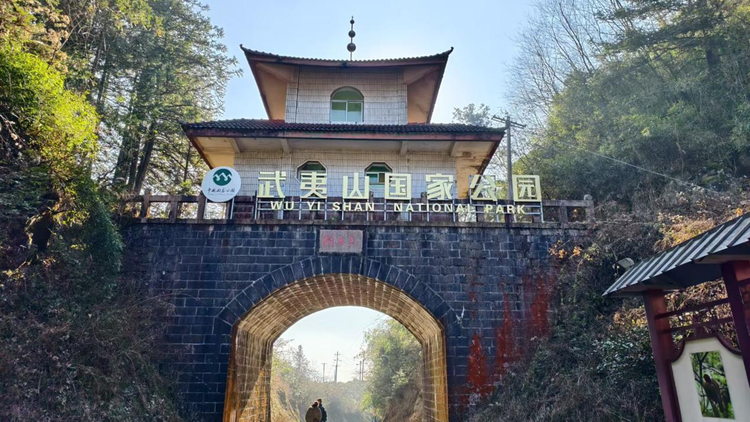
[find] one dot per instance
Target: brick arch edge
(260, 289)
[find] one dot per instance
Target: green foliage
(147, 65)
(59, 124)
(670, 96)
(295, 384)
(37, 26)
(394, 356)
(596, 364)
(77, 342)
(98, 236)
(711, 383)
(661, 88)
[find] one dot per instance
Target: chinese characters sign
(485, 192)
(398, 186)
(526, 188)
(221, 184)
(340, 241)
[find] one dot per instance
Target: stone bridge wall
(486, 284)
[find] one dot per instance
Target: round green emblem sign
(222, 177)
(221, 184)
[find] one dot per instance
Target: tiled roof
(257, 53)
(251, 125)
(678, 267)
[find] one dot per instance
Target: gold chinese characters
(398, 186)
(526, 188)
(269, 184)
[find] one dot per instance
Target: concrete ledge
(391, 223)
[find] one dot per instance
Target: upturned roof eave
(355, 133)
(261, 56)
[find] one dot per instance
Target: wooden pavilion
(722, 252)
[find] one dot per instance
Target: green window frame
(347, 106)
(316, 166)
(376, 173)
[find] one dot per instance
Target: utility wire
(634, 166)
(536, 132)
(362, 340)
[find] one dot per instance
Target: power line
(633, 166)
(375, 321)
(511, 124)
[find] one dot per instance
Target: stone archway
(255, 331)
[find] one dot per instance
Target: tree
(394, 358)
(147, 65)
(481, 116)
(67, 318)
(665, 95)
(473, 115)
(297, 373)
(562, 38)
(295, 384)
(300, 377)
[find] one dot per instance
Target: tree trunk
(102, 87)
(121, 166)
(100, 49)
(135, 152)
(148, 149)
(125, 154)
(187, 163)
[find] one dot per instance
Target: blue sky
(480, 31)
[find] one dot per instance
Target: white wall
(687, 390)
(339, 164)
(309, 96)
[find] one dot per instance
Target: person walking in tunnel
(313, 413)
(324, 415)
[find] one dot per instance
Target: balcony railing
(196, 209)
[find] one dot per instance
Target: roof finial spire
(351, 47)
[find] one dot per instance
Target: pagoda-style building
(341, 117)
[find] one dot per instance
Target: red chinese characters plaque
(340, 241)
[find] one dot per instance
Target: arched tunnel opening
(248, 395)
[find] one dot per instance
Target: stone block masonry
(485, 287)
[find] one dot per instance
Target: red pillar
(735, 272)
(664, 351)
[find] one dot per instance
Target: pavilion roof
(422, 76)
(219, 141)
(246, 126)
(403, 61)
(692, 262)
